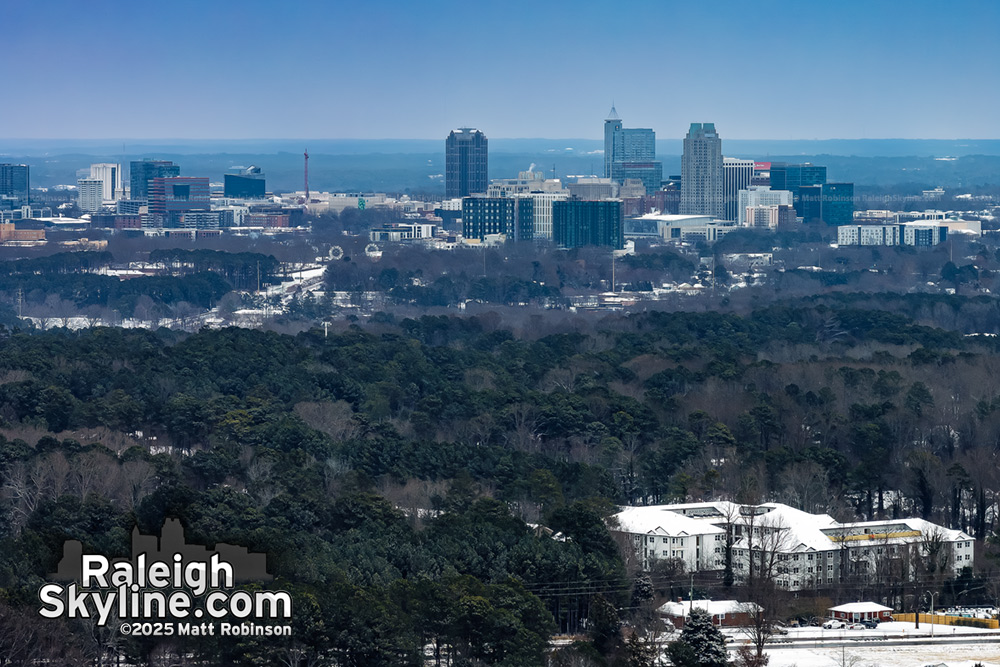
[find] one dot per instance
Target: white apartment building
(111, 175)
(868, 235)
(802, 550)
(543, 211)
(90, 194)
(659, 533)
(761, 195)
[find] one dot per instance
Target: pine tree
(701, 644)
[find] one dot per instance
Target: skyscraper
(630, 153)
(111, 176)
(736, 176)
(143, 171)
(14, 182)
(466, 162)
(701, 172)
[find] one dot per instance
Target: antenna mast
(307, 175)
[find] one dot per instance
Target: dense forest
(441, 483)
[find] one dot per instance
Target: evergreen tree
(700, 645)
(603, 625)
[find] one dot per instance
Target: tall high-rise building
(701, 172)
(612, 126)
(90, 194)
(466, 163)
(143, 171)
(630, 153)
(736, 175)
(14, 182)
(111, 175)
(577, 223)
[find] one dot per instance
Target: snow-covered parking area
(886, 646)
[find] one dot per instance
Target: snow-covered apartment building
(800, 550)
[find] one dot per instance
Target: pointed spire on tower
(613, 115)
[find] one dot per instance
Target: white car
(834, 624)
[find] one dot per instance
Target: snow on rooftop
(860, 608)
(661, 520)
(713, 607)
(914, 524)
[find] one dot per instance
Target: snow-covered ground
(965, 655)
(894, 630)
(953, 646)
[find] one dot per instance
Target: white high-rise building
(736, 176)
(90, 191)
(543, 211)
(701, 172)
(760, 195)
(111, 174)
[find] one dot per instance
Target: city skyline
(844, 71)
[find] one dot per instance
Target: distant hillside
(416, 166)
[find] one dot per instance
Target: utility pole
(612, 270)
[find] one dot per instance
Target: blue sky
(387, 69)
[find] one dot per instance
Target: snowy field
(964, 655)
(948, 647)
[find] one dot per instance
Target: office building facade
(466, 162)
(577, 223)
(701, 172)
(513, 217)
(794, 177)
(14, 182)
(831, 203)
(170, 198)
(245, 183)
(736, 175)
(143, 171)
